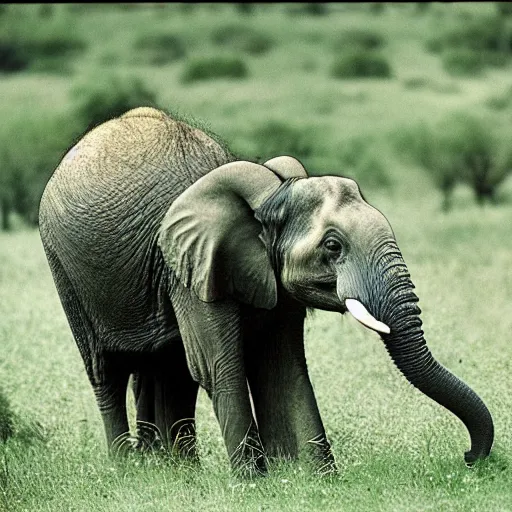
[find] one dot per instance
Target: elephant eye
(333, 245)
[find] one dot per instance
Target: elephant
(183, 266)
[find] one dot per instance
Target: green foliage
(309, 8)
(6, 418)
(12, 56)
(504, 8)
(461, 148)
(32, 145)
(245, 8)
(357, 63)
(27, 43)
(31, 148)
(473, 43)
(242, 38)
(107, 96)
(208, 68)
(463, 61)
(158, 49)
(275, 138)
(376, 8)
(362, 38)
(358, 159)
(500, 101)
(487, 33)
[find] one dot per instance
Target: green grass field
(396, 450)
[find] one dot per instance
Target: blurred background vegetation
(413, 100)
(404, 97)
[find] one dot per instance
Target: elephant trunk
(407, 347)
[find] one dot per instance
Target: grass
(396, 450)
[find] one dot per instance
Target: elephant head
(257, 232)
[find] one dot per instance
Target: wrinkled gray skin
(180, 266)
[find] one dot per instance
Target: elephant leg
(109, 387)
(286, 409)
(165, 396)
(175, 402)
(148, 437)
(110, 390)
(213, 346)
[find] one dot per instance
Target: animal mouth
(327, 284)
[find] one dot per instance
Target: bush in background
(463, 61)
(31, 147)
(489, 33)
(12, 56)
(28, 43)
(275, 138)
(364, 39)
(207, 68)
(159, 49)
(6, 419)
(461, 149)
(105, 97)
(33, 52)
(504, 8)
(308, 8)
(358, 63)
(476, 42)
(240, 38)
(358, 159)
(500, 101)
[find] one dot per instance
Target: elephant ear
(210, 238)
(286, 167)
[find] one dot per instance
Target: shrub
(361, 64)
(104, 98)
(245, 8)
(489, 36)
(53, 44)
(422, 7)
(207, 68)
(159, 49)
(461, 149)
(376, 8)
(31, 148)
(462, 61)
(482, 33)
(23, 47)
(279, 138)
(358, 160)
(364, 39)
(500, 101)
(242, 38)
(482, 156)
(12, 56)
(6, 419)
(309, 9)
(504, 8)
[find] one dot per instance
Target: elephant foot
(320, 456)
(123, 445)
(249, 460)
(183, 433)
(149, 438)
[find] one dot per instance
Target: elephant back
(101, 210)
(143, 156)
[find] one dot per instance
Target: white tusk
(360, 313)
